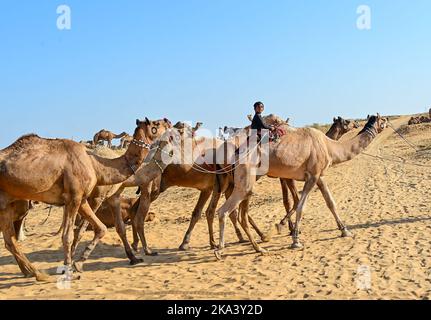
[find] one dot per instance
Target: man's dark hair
(258, 104)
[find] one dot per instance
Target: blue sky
(207, 60)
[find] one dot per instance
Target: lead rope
(223, 171)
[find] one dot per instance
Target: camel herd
(420, 119)
(65, 173)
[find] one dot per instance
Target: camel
(154, 130)
(105, 135)
(129, 207)
(125, 141)
(184, 128)
(190, 176)
(302, 154)
(339, 128)
(61, 172)
(419, 120)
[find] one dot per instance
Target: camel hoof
(218, 254)
(42, 277)
(136, 261)
(296, 246)
(279, 227)
(266, 238)
(184, 247)
(346, 234)
(79, 266)
(264, 252)
(151, 253)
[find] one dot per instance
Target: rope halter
(141, 144)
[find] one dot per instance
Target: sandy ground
(386, 205)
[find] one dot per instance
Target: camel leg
(95, 204)
(139, 219)
(20, 230)
(234, 215)
(197, 212)
(120, 227)
(99, 232)
(263, 237)
(210, 213)
(244, 208)
(244, 181)
(135, 242)
(11, 244)
(330, 202)
(308, 187)
(286, 185)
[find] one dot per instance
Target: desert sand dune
(387, 205)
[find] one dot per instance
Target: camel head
(150, 131)
(342, 125)
(197, 126)
(167, 149)
(185, 129)
(377, 122)
(275, 120)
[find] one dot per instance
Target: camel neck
(344, 151)
(333, 133)
(113, 171)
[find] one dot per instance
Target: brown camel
(152, 132)
(182, 175)
(129, 207)
(61, 172)
(304, 155)
(191, 176)
(108, 136)
(339, 128)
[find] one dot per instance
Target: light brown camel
(339, 128)
(153, 130)
(61, 172)
(108, 136)
(304, 155)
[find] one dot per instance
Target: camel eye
(154, 130)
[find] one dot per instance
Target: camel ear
(368, 117)
(138, 122)
(287, 120)
(147, 121)
(335, 120)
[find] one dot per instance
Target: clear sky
(207, 60)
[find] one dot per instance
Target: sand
(385, 204)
